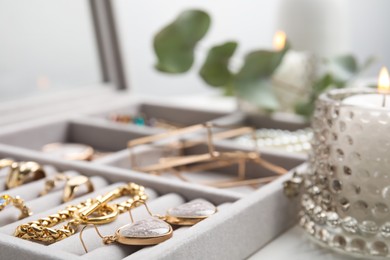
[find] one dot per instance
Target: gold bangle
(23, 172)
(18, 203)
(41, 229)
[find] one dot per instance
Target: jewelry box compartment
(102, 138)
(155, 116)
(223, 178)
(277, 124)
(255, 220)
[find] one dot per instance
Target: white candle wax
(368, 100)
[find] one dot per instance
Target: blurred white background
(50, 44)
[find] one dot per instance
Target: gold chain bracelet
(100, 212)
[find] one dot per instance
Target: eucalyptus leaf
(215, 70)
(367, 63)
(322, 84)
(258, 92)
(253, 81)
(260, 63)
(344, 67)
(305, 109)
(174, 45)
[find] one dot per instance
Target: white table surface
(294, 244)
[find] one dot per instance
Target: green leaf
(367, 63)
(215, 70)
(305, 108)
(252, 82)
(174, 45)
(344, 67)
(322, 84)
(260, 64)
(258, 92)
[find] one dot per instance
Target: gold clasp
(108, 213)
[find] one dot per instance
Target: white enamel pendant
(190, 213)
(150, 231)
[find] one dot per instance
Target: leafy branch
(175, 46)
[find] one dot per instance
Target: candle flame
(383, 80)
(279, 40)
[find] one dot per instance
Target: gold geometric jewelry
(92, 211)
(69, 151)
(190, 213)
(72, 184)
(212, 159)
(149, 231)
(17, 202)
(23, 172)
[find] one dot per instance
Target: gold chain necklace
(91, 211)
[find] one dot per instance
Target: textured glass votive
(346, 198)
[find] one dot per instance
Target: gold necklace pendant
(149, 231)
(145, 232)
(190, 213)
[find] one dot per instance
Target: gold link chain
(42, 229)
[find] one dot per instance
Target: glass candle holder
(346, 194)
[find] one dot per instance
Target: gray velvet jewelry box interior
(176, 115)
(148, 155)
(113, 138)
(102, 137)
(260, 121)
(253, 220)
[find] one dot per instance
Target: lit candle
(376, 100)
(294, 76)
(279, 40)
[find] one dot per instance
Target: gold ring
(5, 163)
(51, 183)
(69, 151)
(73, 184)
(23, 172)
(17, 202)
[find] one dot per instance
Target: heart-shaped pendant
(148, 231)
(190, 213)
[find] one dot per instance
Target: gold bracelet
(41, 229)
(18, 203)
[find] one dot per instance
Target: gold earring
(18, 203)
(190, 213)
(149, 231)
(22, 172)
